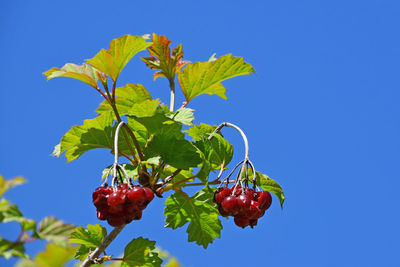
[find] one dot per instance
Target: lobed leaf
(91, 237)
(161, 58)
(11, 213)
(141, 252)
(206, 77)
(52, 256)
(10, 249)
(126, 97)
(199, 210)
(114, 59)
(94, 133)
(54, 230)
(84, 73)
(270, 185)
(178, 153)
(5, 185)
(183, 115)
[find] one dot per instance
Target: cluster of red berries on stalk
(122, 204)
(244, 204)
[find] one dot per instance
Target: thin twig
(96, 253)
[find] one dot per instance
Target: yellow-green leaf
(54, 230)
(10, 183)
(206, 77)
(84, 73)
(52, 256)
(114, 59)
(126, 97)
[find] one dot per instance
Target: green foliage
(91, 237)
(199, 210)
(84, 73)
(5, 185)
(156, 139)
(10, 249)
(141, 252)
(206, 77)
(52, 256)
(126, 97)
(114, 59)
(54, 230)
(161, 58)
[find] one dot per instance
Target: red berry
(137, 215)
(136, 195)
(100, 202)
(115, 209)
(116, 220)
(149, 194)
(265, 199)
(229, 205)
(131, 207)
(116, 198)
(243, 203)
(220, 194)
(241, 221)
(236, 191)
(222, 211)
(250, 193)
(254, 210)
(253, 222)
(102, 215)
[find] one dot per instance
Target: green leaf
(206, 77)
(161, 58)
(5, 185)
(217, 151)
(199, 209)
(200, 132)
(82, 253)
(178, 153)
(54, 230)
(90, 237)
(114, 59)
(146, 108)
(52, 256)
(270, 185)
(126, 97)
(141, 252)
(84, 73)
(94, 133)
(10, 249)
(10, 213)
(183, 115)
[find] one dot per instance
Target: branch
(172, 102)
(96, 253)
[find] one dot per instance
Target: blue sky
(321, 115)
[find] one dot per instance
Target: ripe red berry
(116, 220)
(115, 209)
(236, 191)
(116, 198)
(149, 194)
(253, 222)
(222, 211)
(241, 221)
(220, 194)
(254, 210)
(229, 205)
(265, 199)
(136, 195)
(100, 202)
(250, 193)
(102, 215)
(243, 202)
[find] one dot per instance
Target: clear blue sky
(322, 117)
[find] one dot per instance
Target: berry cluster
(244, 204)
(122, 205)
